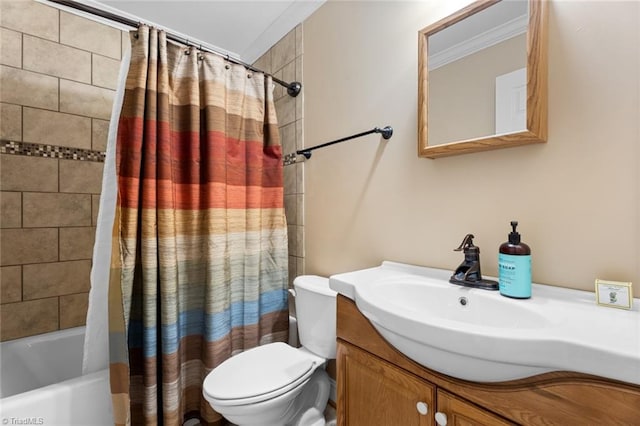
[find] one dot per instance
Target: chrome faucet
(468, 273)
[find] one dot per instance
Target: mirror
(482, 81)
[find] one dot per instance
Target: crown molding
(478, 42)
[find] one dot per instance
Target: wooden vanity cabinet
(459, 412)
(377, 393)
(378, 386)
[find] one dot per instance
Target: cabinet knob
(441, 419)
(422, 408)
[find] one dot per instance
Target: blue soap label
(514, 275)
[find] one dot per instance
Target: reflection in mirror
(483, 78)
(465, 62)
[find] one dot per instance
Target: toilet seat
(259, 374)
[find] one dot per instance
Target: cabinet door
(372, 392)
(454, 411)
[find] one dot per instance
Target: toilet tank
(316, 314)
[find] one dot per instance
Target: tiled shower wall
(57, 82)
(284, 61)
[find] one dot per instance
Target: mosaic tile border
(50, 151)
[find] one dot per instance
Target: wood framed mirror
(482, 78)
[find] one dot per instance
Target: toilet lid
(258, 371)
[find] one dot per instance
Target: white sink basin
(481, 336)
(439, 301)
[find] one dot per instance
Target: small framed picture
(615, 294)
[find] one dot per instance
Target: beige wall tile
(299, 38)
(299, 241)
(84, 99)
(290, 209)
(28, 318)
(10, 284)
(56, 128)
(299, 134)
(105, 72)
(44, 209)
(73, 310)
(10, 122)
(300, 265)
(288, 138)
(288, 75)
(80, 176)
(278, 90)
(55, 59)
(299, 178)
(10, 48)
(292, 240)
(299, 209)
(299, 106)
(28, 88)
(55, 279)
(22, 173)
(76, 243)
(286, 110)
(95, 205)
(30, 17)
(20, 246)
(300, 98)
(264, 62)
(290, 179)
(10, 209)
(292, 271)
(299, 71)
(89, 35)
(99, 134)
(284, 51)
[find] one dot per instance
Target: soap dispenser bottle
(514, 267)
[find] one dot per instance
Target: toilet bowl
(277, 384)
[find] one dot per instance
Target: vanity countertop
(573, 334)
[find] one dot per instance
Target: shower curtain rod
(293, 88)
(386, 131)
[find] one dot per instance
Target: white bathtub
(41, 382)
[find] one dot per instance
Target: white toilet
(277, 384)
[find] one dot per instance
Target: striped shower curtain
(199, 257)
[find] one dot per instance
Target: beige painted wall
(577, 197)
(462, 94)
